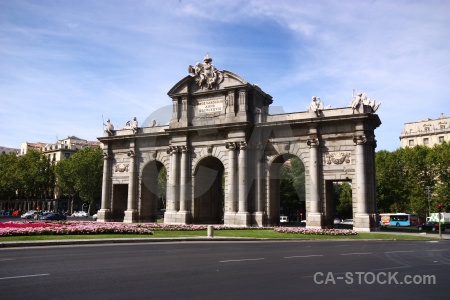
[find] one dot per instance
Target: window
(67, 155)
(441, 139)
(442, 126)
(427, 128)
(426, 141)
(411, 143)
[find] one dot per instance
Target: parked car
(29, 214)
(53, 216)
(430, 226)
(80, 214)
(337, 221)
(347, 222)
(94, 216)
(17, 213)
(283, 219)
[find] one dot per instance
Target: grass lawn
(248, 233)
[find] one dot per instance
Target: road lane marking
(302, 256)
(24, 276)
(437, 250)
(399, 252)
(234, 260)
(5, 259)
(361, 253)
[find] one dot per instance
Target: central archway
(208, 192)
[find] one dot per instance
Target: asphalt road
(229, 270)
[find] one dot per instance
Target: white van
(283, 219)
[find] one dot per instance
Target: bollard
(210, 231)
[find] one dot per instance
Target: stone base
(184, 217)
(177, 217)
(131, 216)
(314, 220)
(365, 222)
(104, 215)
(229, 218)
(259, 219)
(242, 219)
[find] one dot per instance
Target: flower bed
(315, 231)
(77, 227)
(66, 228)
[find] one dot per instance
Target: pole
(440, 229)
(428, 193)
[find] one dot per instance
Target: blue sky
(65, 64)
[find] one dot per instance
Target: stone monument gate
(221, 129)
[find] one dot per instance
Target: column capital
(312, 142)
(105, 155)
(359, 139)
(130, 153)
(173, 149)
(184, 149)
(231, 145)
(243, 145)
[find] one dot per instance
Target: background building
(426, 132)
(8, 150)
(62, 149)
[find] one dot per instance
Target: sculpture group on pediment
(206, 75)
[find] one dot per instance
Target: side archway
(151, 192)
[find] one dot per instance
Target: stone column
(104, 214)
(314, 217)
(244, 216)
(231, 195)
(259, 215)
(131, 212)
(184, 186)
(361, 220)
(360, 140)
(183, 177)
(173, 178)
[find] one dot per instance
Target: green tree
(292, 187)
(34, 175)
(391, 182)
(87, 171)
(65, 179)
(344, 208)
(419, 172)
(162, 187)
(8, 164)
(439, 159)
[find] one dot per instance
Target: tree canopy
(405, 175)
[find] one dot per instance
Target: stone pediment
(208, 96)
(189, 85)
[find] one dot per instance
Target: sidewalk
(25, 244)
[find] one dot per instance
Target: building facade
(426, 132)
(223, 152)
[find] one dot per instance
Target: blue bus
(399, 219)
